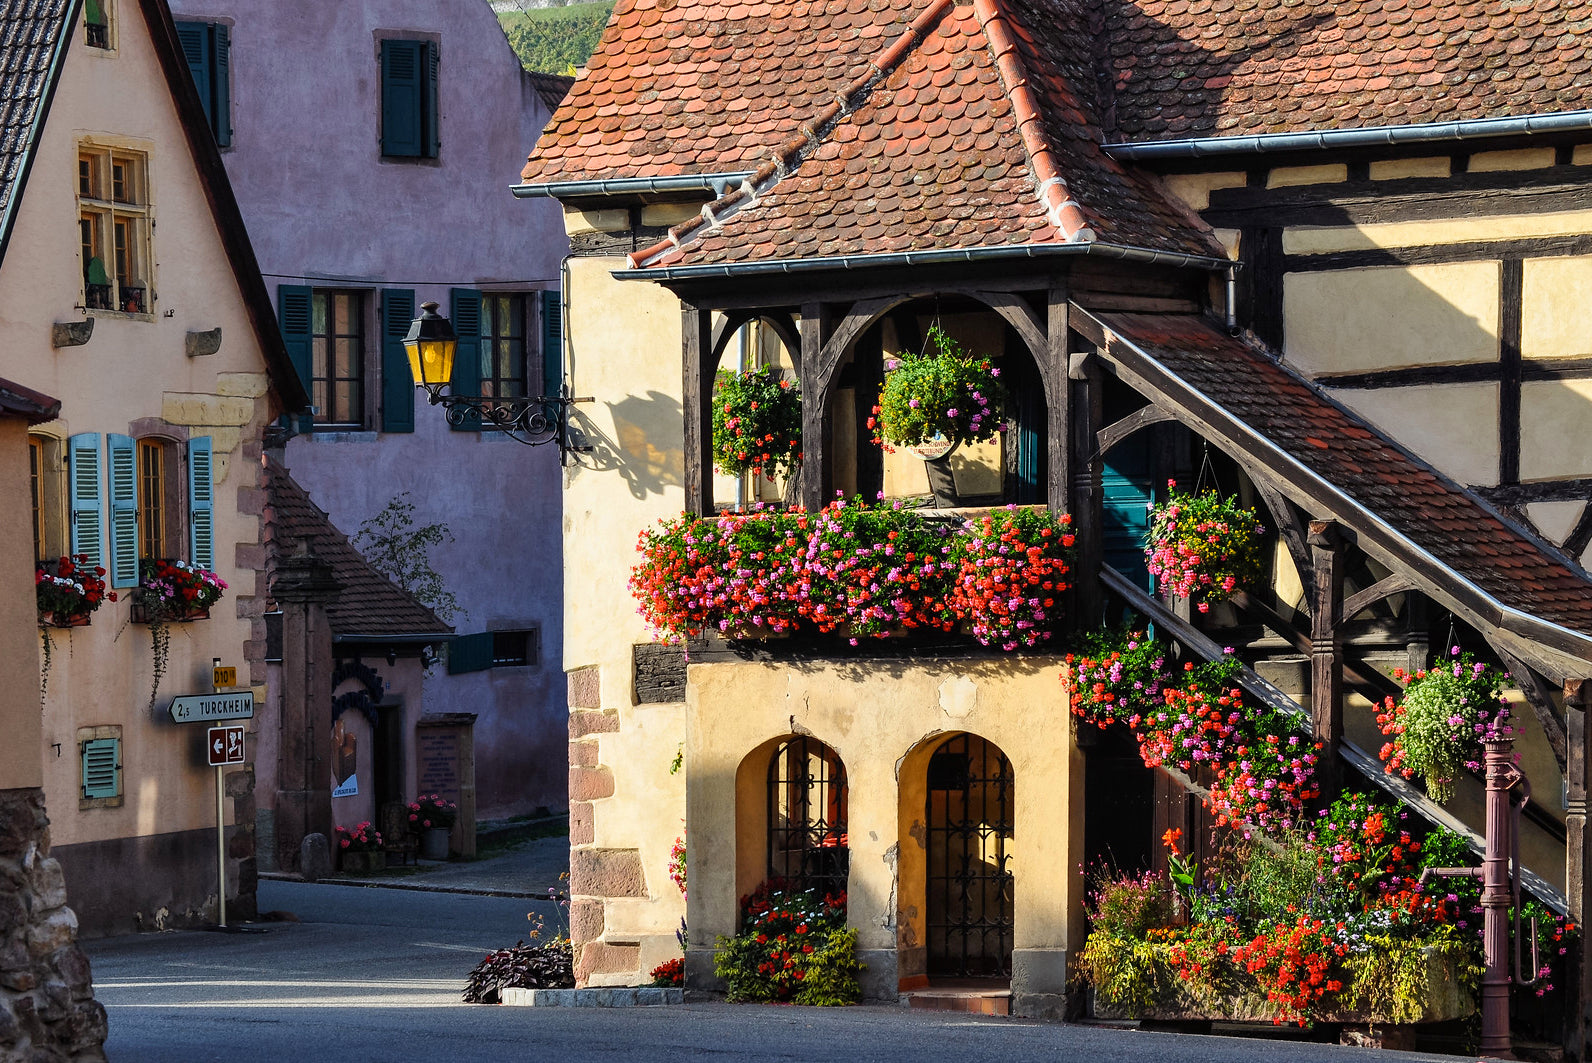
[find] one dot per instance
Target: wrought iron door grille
(807, 840)
(969, 873)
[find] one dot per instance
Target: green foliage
(555, 40)
(757, 423)
(793, 947)
(401, 550)
(1128, 906)
(1128, 972)
(946, 391)
(1391, 978)
(1276, 877)
(1439, 724)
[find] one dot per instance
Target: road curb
(413, 887)
(609, 997)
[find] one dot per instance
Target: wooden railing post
(1326, 647)
(1578, 860)
(697, 399)
(1087, 412)
(816, 476)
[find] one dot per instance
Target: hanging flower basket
(757, 423)
(1203, 546)
(938, 397)
(1437, 728)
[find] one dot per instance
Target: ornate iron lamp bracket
(532, 421)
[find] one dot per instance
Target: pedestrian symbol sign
(224, 745)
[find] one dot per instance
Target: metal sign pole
(221, 822)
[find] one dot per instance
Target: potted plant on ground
(432, 816)
(359, 849)
(1203, 546)
(757, 423)
(66, 597)
(171, 592)
(1440, 723)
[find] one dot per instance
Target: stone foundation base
(47, 1005)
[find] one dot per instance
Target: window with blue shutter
(294, 317)
(201, 503)
(470, 653)
(85, 457)
(397, 383)
(122, 465)
(409, 99)
(552, 345)
(465, 310)
(206, 47)
(102, 768)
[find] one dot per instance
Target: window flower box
(143, 614)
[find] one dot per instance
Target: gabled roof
(34, 38)
(34, 406)
(1432, 525)
(965, 130)
(550, 88)
(370, 606)
(1181, 69)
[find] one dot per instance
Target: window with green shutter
(122, 479)
(201, 503)
(552, 345)
(397, 383)
(470, 653)
(206, 47)
(102, 768)
(85, 456)
(465, 310)
(293, 317)
(409, 99)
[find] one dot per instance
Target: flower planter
(48, 619)
(171, 616)
(434, 842)
(362, 861)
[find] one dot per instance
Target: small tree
(397, 547)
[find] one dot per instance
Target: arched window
(808, 845)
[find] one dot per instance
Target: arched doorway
(808, 845)
(969, 878)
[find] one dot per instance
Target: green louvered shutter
(403, 80)
(295, 305)
(196, 38)
(102, 767)
(430, 107)
(221, 84)
(88, 509)
(122, 461)
(397, 382)
(552, 345)
(470, 653)
(201, 503)
(465, 310)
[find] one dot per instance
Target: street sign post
(207, 708)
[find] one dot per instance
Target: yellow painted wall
(1307, 240)
(1554, 441)
(1452, 426)
(1555, 294)
(134, 368)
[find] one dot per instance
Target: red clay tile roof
(35, 406)
(974, 138)
(370, 603)
(1199, 68)
(1436, 514)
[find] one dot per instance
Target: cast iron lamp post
(431, 345)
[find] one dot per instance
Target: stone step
(991, 1001)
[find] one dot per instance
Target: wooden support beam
(816, 475)
(1366, 680)
(1086, 408)
(1058, 404)
(1578, 859)
(697, 361)
(1536, 691)
(869, 363)
(1289, 527)
(1116, 432)
(726, 329)
(1580, 536)
(1356, 603)
(1326, 645)
(1019, 315)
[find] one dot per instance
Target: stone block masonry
(47, 1005)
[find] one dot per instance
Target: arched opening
(968, 875)
(808, 844)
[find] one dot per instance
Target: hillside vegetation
(555, 39)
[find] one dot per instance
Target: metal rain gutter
(936, 256)
(396, 640)
(1373, 136)
(717, 183)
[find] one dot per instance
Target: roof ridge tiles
(785, 159)
(1060, 208)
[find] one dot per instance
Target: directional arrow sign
(224, 745)
(200, 708)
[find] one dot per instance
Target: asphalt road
(375, 975)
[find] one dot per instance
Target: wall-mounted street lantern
(431, 345)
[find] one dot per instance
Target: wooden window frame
(101, 38)
(160, 515)
(114, 205)
(501, 314)
(46, 470)
(328, 416)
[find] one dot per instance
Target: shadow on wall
(641, 423)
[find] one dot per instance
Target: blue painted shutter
(201, 503)
(88, 511)
(430, 108)
(102, 765)
(470, 653)
(295, 315)
(403, 81)
(397, 382)
(1126, 497)
(465, 310)
(552, 345)
(195, 38)
(122, 462)
(221, 84)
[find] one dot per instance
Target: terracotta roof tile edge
(1062, 210)
(785, 159)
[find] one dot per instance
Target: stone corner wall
(47, 1005)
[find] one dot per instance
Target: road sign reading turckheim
(225, 745)
(199, 708)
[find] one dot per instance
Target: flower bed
(856, 570)
(793, 947)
